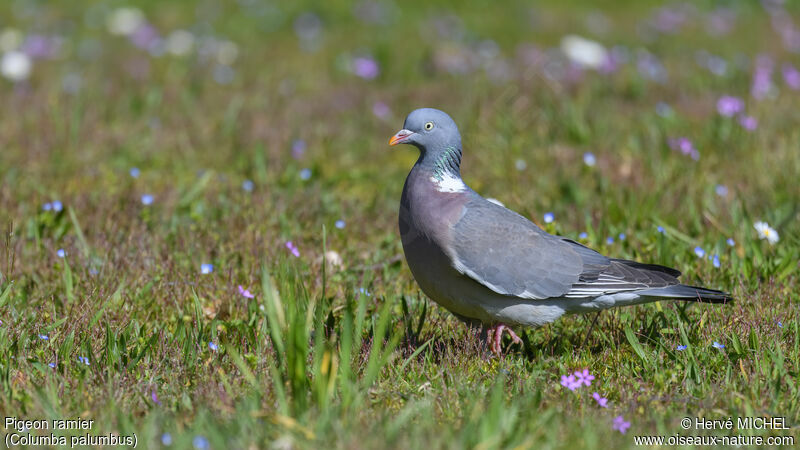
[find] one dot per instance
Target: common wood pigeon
(489, 265)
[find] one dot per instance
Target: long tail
(689, 294)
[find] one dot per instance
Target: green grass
(352, 354)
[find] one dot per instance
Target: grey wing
(602, 275)
(512, 256)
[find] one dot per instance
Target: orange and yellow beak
(400, 136)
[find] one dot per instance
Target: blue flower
(83, 359)
(731, 242)
(589, 159)
(609, 240)
(248, 185)
(780, 324)
(364, 291)
(147, 199)
(55, 205)
(715, 261)
(718, 345)
(213, 346)
(166, 439)
(200, 442)
(660, 229)
(583, 235)
(721, 190)
(206, 268)
(622, 236)
(61, 253)
(52, 365)
(135, 172)
(305, 174)
(549, 217)
(681, 348)
(44, 337)
(340, 224)
(699, 252)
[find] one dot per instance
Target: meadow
(199, 219)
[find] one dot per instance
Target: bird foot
(495, 335)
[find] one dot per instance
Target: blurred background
(568, 107)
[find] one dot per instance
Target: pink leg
(495, 335)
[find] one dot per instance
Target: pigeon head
(430, 130)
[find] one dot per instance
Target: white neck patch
(449, 183)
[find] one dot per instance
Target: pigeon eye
(429, 126)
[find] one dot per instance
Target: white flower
(180, 42)
(16, 66)
(124, 21)
(584, 52)
(227, 52)
(766, 232)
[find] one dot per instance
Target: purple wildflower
(791, 77)
(685, 146)
(38, 46)
(298, 148)
(762, 78)
(601, 401)
(213, 346)
(584, 377)
(144, 37)
(570, 382)
(620, 424)
(365, 67)
(749, 123)
(292, 248)
(245, 293)
(729, 106)
(154, 397)
(381, 110)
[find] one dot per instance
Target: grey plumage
(488, 264)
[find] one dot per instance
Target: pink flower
(620, 424)
(292, 248)
(602, 401)
(245, 293)
(584, 377)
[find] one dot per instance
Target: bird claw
(495, 335)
